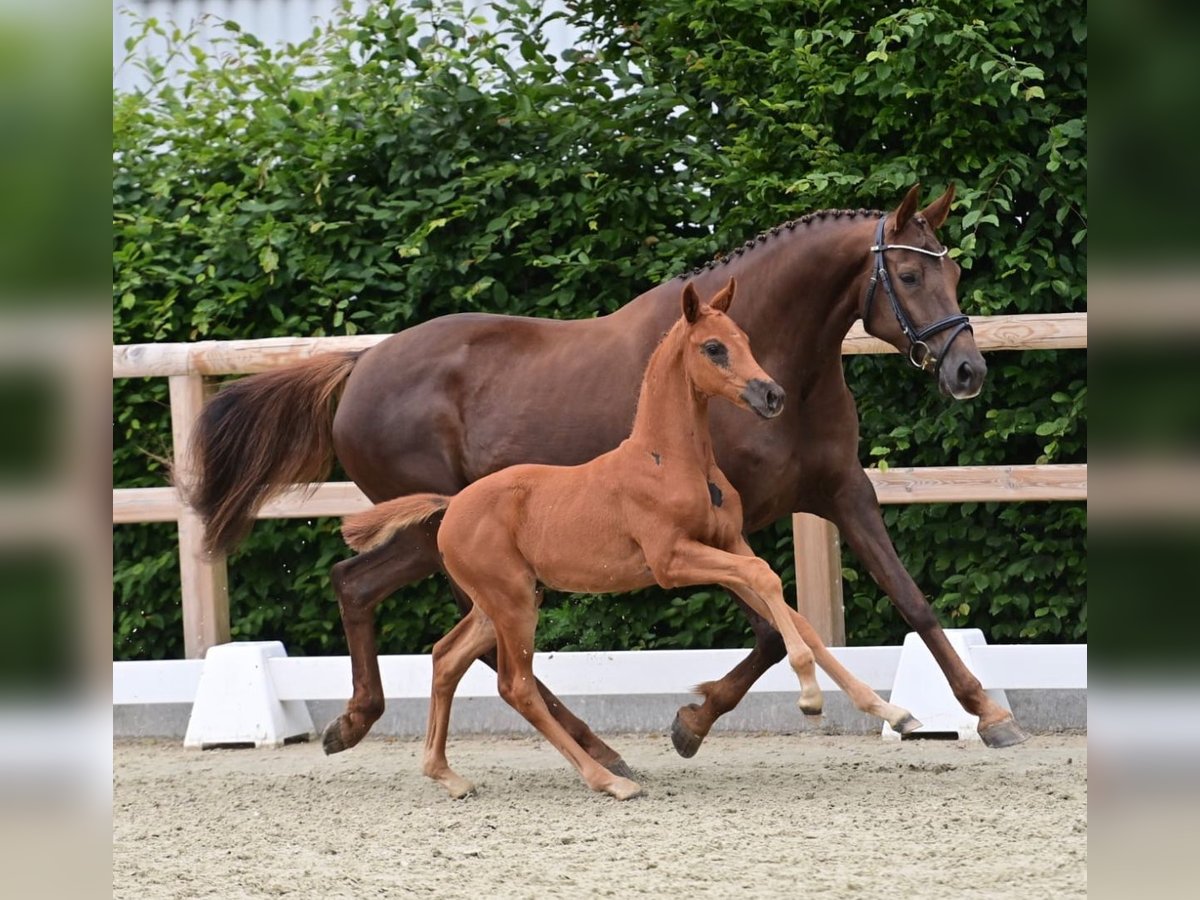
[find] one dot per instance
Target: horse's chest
(711, 511)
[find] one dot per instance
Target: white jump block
(922, 689)
(236, 701)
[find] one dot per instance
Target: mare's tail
(367, 530)
(258, 436)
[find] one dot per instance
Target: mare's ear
(691, 303)
(908, 206)
(724, 296)
(935, 213)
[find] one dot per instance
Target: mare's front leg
(855, 511)
(694, 720)
(576, 727)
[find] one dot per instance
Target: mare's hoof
(1005, 733)
(686, 741)
(623, 789)
(332, 739)
(907, 725)
(620, 768)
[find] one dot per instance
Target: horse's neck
(799, 292)
(672, 419)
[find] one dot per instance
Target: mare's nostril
(965, 373)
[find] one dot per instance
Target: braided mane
(764, 236)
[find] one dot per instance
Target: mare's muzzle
(764, 397)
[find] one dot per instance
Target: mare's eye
(908, 278)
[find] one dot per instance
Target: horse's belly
(584, 554)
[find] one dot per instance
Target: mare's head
(717, 357)
(912, 298)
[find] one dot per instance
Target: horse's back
(441, 404)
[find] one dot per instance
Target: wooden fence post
(204, 582)
(819, 577)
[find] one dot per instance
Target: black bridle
(919, 353)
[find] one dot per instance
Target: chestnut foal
(654, 510)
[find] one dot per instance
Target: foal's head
(717, 357)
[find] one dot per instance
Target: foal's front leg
(859, 692)
(690, 563)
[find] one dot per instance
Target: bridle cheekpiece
(919, 353)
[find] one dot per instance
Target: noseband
(919, 353)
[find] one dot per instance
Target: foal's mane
(763, 236)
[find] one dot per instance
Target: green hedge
(373, 177)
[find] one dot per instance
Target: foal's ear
(935, 213)
(691, 303)
(724, 296)
(908, 206)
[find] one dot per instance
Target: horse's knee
(763, 580)
(769, 640)
(518, 691)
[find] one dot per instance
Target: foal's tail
(367, 530)
(259, 435)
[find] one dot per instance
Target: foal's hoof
(333, 740)
(810, 707)
(686, 741)
(1005, 733)
(623, 789)
(620, 768)
(906, 725)
(458, 787)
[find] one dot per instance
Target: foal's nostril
(774, 399)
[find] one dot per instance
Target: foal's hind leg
(452, 656)
(576, 727)
(360, 584)
(515, 620)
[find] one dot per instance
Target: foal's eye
(908, 277)
(713, 349)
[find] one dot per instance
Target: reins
(919, 353)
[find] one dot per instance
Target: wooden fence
(204, 584)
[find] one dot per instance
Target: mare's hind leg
(576, 727)
(452, 656)
(360, 584)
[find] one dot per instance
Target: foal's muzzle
(764, 397)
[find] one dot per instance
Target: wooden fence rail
(203, 582)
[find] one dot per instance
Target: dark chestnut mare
(656, 510)
(440, 405)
